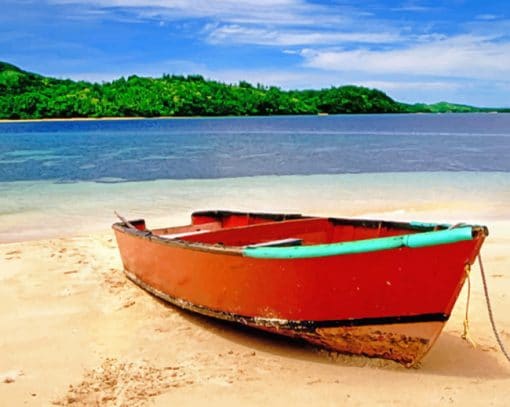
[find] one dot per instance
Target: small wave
(110, 180)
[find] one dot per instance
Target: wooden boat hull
(403, 342)
(391, 304)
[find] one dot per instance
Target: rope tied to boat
(489, 309)
(466, 335)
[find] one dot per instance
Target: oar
(124, 220)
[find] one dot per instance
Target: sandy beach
(77, 332)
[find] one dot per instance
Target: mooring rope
(466, 335)
(489, 309)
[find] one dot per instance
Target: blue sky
(454, 50)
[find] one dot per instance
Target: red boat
(376, 288)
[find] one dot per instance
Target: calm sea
(135, 150)
(66, 178)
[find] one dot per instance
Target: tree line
(26, 95)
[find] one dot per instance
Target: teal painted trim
(362, 246)
(439, 237)
(428, 225)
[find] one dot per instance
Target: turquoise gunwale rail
(415, 240)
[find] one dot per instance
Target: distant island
(26, 95)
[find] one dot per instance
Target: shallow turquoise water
(35, 209)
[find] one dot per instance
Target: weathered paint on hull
(405, 343)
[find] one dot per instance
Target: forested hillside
(25, 95)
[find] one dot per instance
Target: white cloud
(414, 7)
(277, 12)
(487, 17)
(461, 56)
(261, 22)
(276, 37)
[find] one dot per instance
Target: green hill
(4, 66)
(25, 95)
(443, 107)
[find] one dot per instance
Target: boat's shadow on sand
(450, 355)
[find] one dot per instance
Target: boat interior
(249, 229)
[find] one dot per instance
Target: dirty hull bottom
(403, 342)
(406, 343)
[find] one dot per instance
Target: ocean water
(137, 150)
(66, 178)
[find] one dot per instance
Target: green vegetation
(25, 95)
(445, 107)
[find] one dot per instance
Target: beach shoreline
(32, 210)
(92, 119)
(126, 118)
